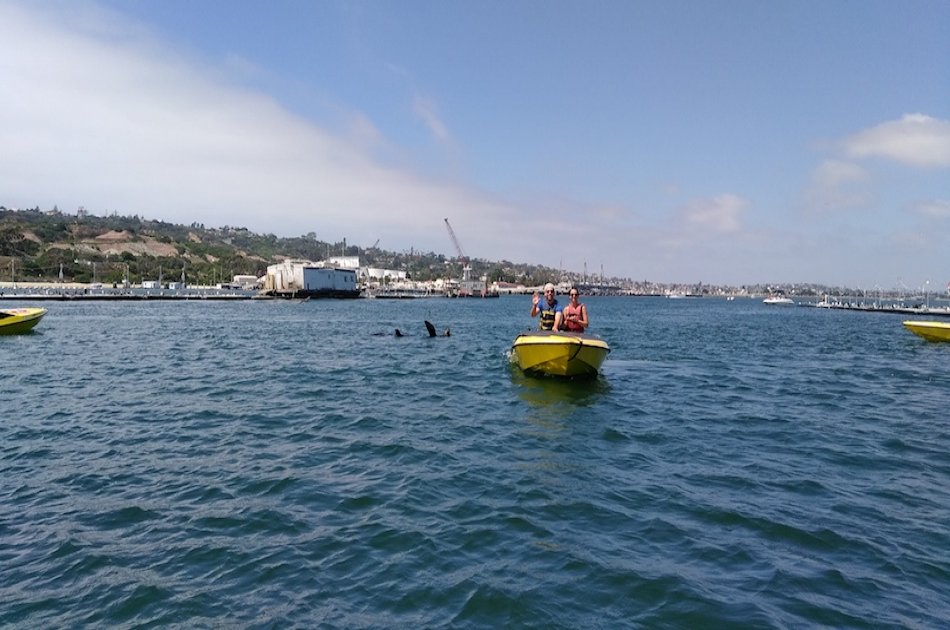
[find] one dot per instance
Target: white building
(343, 262)
(375, 273)
(244, 282)
(302, 278)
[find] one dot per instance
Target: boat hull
(931, 331)
(559, 354)
(14, 321)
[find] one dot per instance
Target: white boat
(777, 300)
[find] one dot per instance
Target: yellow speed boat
(559, 353)
(931, 331)
(19, 320)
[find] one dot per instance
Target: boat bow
(559, 353)
(19, 320)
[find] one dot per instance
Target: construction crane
(455, 242)
(466, 268)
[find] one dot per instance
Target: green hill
(38, 245)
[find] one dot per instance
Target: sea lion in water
(429, 327)
(432, 332)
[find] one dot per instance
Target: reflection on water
(550, 392)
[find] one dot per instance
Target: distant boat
(14, 321)
(559, 353)
(931, 331)
(777, 300)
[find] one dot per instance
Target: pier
(875, 307)
(106, 294)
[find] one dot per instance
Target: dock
(916, 311)
(137, 295)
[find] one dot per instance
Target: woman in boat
(547, 308)
(575, 314)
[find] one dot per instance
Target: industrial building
(302, 278)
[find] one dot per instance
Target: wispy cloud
(936, 208)
(427, 111)
(720, 214)
(837, 184)
(915, 139)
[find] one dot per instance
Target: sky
(730, 142)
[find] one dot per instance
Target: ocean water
(275, 464)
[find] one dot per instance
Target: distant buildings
(303, 278)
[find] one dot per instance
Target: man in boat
(575, 313)
(548, 309)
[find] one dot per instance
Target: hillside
(46, 245)
(37, 245)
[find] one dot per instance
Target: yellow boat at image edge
(931, 331)
(14, 321)
(559, 353)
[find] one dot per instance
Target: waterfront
(276, 463)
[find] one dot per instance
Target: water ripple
(294, 465)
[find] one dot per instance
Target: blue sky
(725, 142)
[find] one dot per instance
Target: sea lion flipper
(430, 328)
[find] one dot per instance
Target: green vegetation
(38, 245)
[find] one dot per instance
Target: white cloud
(915, 139)
(832, 173)
(117, 122)
(836, 184)
(937, 208)
(720, 214)
(427, 111)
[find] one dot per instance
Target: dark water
(276, 464)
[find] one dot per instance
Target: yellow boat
(931, 331)
(559, 353)
(19, 320)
